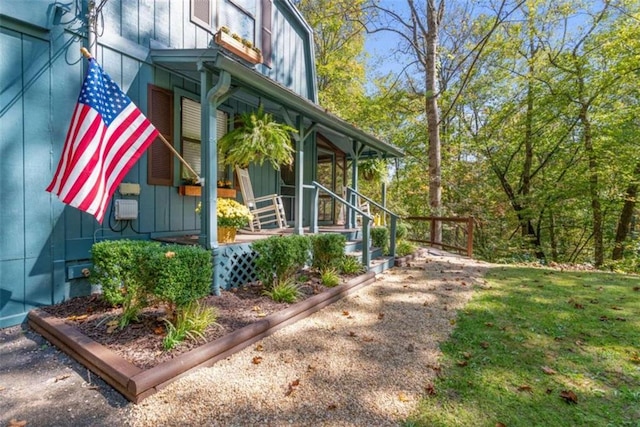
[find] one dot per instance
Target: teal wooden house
(191, 80)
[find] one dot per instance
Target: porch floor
(246, 236)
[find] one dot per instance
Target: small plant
(225, 29)
(190, 322)
(329, 277)
(351, 265)
(230, 213)
(402, 230)
(405, 248)
(286, 290)
(236, 36)
(280, 257)
(328, 250)
(380, 237)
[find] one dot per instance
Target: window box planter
(235, 46)
(196, 191)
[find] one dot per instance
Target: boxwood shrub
(328, 250)
(280, 257)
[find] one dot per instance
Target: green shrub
(351, 265)
(402, 230)
(118, 267)
(286, 290)
(280, 257)
(328, 250)
(405, 248)
(180, 274)
(329, 277)
(190, 322)
(380, 237)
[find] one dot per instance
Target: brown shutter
(159, 157)
(266, 32)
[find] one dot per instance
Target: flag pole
(87, 55)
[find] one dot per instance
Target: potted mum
(231, 216)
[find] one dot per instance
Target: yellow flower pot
(226, 234)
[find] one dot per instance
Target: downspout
(209, 101)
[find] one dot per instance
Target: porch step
(375, 253)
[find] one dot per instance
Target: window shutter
(201, 13)
(159, 157)
(266, 32)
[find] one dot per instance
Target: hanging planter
(373, 170)
(258, 138)
(238, 46)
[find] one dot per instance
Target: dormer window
(239, 16)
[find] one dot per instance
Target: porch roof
(185, 62)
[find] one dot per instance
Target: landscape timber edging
(136, 384)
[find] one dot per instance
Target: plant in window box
(223, 183)
(234, 43)
(257, 139)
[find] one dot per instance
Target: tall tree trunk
(433, 119)
(626, 215)
(596, 208)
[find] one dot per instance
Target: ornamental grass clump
(286, 290)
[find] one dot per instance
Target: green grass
(585, 326)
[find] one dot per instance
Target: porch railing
(458, 232)
(366, 219)
(352, 196)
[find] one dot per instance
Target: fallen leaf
(452, 321)
(311, 368)
(345, 313)
(2, 388)
(367, 338)
(525, 387)
(259, 347)
(579, 306)
(62, 377)
(621, 319)
(548, 391)
(635, 358)
(484, 344)
(615, 307)
(159, 330)
(332, 407)
(462, 363)
(352, 334)
(603, 318)
(463, 283)
(547, 370)
(261, 314)
(410, 348)
(256, 308)
(169, 254)
(257, 360)
(489, 324)
(594, 301)
(430, 389)
(467, 355)
(569, 396)
(403, 397)
(17, 423)
(293, 385)
(380, 316)
(78, 318)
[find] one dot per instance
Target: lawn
(538, 347)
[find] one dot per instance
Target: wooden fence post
(470, 237)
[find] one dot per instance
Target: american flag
(107, 135)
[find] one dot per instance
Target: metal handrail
(366, 219)
(351, 194)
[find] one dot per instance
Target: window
(239, 16)
(161, 160)
(201, 14)
(191, 138)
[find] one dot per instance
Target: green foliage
(380, 237)
(190, 322)
(373, 170)
(329, 277)
(351, 265)
(404, 248)
(280, 257)
(286, 290)
(402, 230)
(256, 139)
(180, 274)
(134, 273)
(580, 325)
(328, 249)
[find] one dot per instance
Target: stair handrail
(351, 194)
(366, 218)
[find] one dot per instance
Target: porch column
(299, 190)
(351, 217)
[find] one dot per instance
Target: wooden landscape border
(137, 384)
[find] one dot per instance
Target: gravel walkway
(364, 360)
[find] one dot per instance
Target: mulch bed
(141, 342)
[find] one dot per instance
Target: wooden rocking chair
(265, 209)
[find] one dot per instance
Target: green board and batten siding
(40, 77)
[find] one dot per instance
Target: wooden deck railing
(457, 233)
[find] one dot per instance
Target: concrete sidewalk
(41, 386)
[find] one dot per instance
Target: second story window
(239, 16)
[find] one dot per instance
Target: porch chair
(265, 209)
